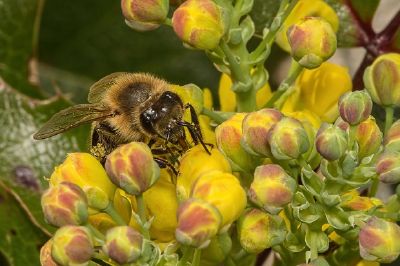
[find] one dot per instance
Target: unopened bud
(256, 126)
(331, 142)
(198, 222)
(199, 23)
(45, 254)
(378, 240)
(288, 139)
(369, 137)
(72, 245)
(388, 167)
(65, 204)
(382, 80)
(392, 138)
(355, 107)
(312, 41)
(131, 167)
(272, 188)
(123, 244)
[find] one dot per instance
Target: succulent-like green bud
(369, 137)
(198, 222)
(72, 245)
(379, 240)
(392, 138)
(123, 244)
(355, 107)
(272, 188)
(312, 41)
(144, 15)
(331, 142)
(256, 126)
(65, 204)
(388, 167)
(199, 23)
(382, 80)
(257, 231)
(132, 168)
(45, 254)
(288, 139)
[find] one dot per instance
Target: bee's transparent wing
(97, 90)
(73, 117)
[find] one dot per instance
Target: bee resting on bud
(131, 167)
(312, 41)
(65, 204)
(355, 107)
(331, 142)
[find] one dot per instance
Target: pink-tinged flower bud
(45, 254)
(257, 231)
(355, 107)
(198, 222)
(222, 190)
(256, 126)
(199, 23)
(228, 135)
(144, 15)
(123, 244)
(312, 41)
(352, 201)
(369, 137)
(392, 138)
(131, 167)
(272, 188)
(65, 204)
(379, 240)
(388, 167)
(343, 125)
(72, 245)
(288, 139)
(331, 142)
(382, 80)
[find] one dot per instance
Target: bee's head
(162, 118)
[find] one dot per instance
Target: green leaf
(17, 41)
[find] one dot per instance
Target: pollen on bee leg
(98, 151)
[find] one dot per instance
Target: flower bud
(369, 137)
(288, 139)
(144, 15)
(272, 188)
(256, 126)
(222, 190)
(45, 254)
(382, 81)
(123, 244)
(352, 201)
(378, 240)
(72, 245)
(392, 138)
(196, 162)
(65, 204)
(198, 222)
(355, 107)
(331, 142)
(228, 135)
(257, 231)
(131, 167)
(85, 171)
(199, 23)
(388, 167)
(312, 41)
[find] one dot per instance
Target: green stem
(246, 101)
(187, 253)
(168, 22)
(389, 118)
(234, 65)
(142, 214)
(352, 137)
(215, 116)
(95, 232)
(196, 257)
(374, 187)
(294, 72)
(114, 214)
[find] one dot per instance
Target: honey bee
(125, 107)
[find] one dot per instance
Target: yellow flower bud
(306, 8)
(222, 190)
(388, 167)
(331, 142)
(45, 254)
(312, 41)
(355, 107)
(199, 23)
(196, 162)
(85, 171)
(382, 80)
(369, 137)
(392, 138)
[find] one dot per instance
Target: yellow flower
(305, 8)
(318, 91)
(227, 97)
(367, 263)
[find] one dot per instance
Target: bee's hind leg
(165, 164)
